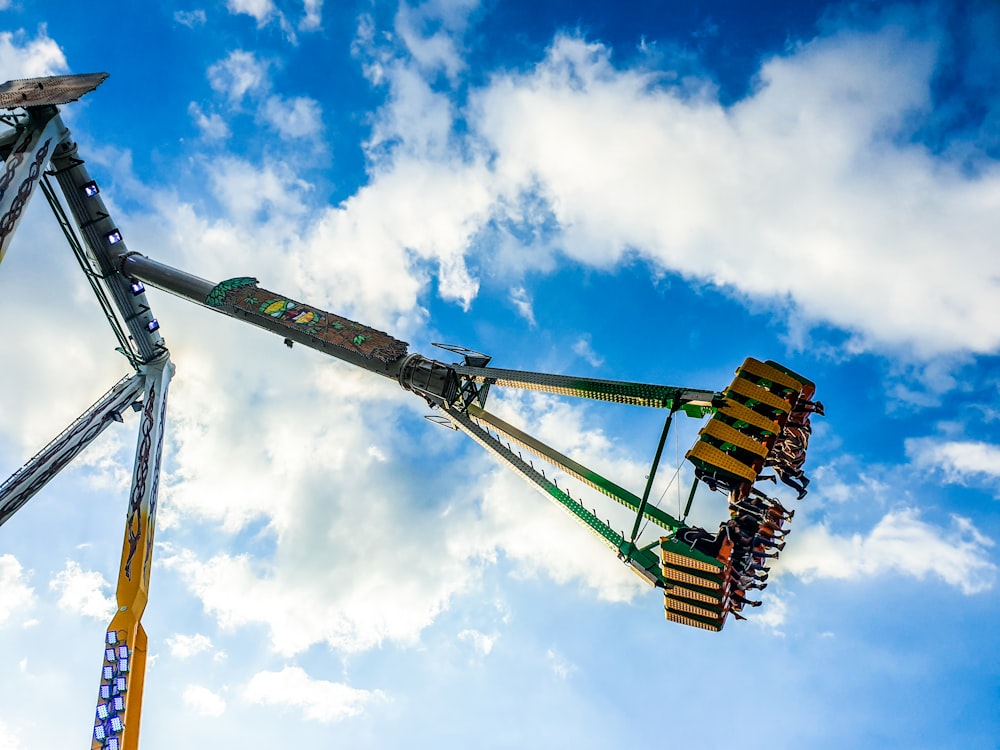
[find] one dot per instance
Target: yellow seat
(751, 390)
(756, 368)
(712, 457)
(737, 411)
(719, 430)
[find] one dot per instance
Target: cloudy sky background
(640, 191)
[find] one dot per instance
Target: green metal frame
(644, 559)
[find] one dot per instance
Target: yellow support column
(119, 703)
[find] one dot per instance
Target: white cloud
(540, 537)
(82, 591)
(15, 592)
(521, 300)
(9, 738)
(186, 646)
(204, 702)
(440, 51)
(260, 10)
(294, 117)
(319, 700)
(584, 348)
(900, 543)
(241, 73)
(212, 126)
(835, 190)
(246, 190)
(481, 642)
(370, 252)
(821, 138)
(300, 462)
(959, 460)
(313, 17)
(108, 460)
(21, 57)
(190, 18)
(438, 546)
(353, 609)
(560, 667)
(772, 615)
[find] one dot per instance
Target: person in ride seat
(742, 600)
(703, 541)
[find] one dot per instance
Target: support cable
(125, 345)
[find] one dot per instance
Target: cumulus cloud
(481, 642)
(414, 220)
(833, 190)
(352, 609)
(25, 57)
(300, 462)
(900, 543)
(186, 646)
(212, 126)
(202, 701)
(15, 593)
(540, 537)
(238, 75)
(773, 615)
(82, 591)
(294, 117)
(439, 545)
(960, 461)
(260, 10)
(243, 77)
(58, 394)
(246, 190)
(319, 700)
(313, 17)
(807, 193)
(439, 51)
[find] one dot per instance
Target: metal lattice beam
(692, 401)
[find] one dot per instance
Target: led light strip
(109, 722)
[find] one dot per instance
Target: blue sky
(640, 191)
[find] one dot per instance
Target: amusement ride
(759, 423)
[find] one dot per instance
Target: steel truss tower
(39, 138)
(755, 421)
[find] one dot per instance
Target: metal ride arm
(694, 402)
(37, 472)
(574, 469)
(456, 389)
(643, 562)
